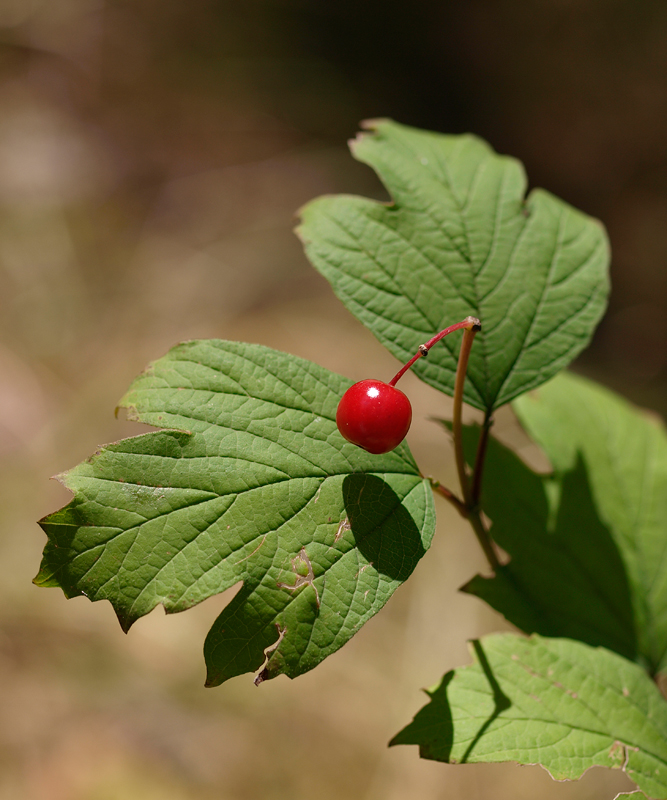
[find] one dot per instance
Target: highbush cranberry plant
(272, 471)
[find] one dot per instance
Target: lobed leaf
(554, 702)
(249, 481)
(459, 238)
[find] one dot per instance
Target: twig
(450, 496)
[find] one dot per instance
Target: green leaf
(625, 453)
(554, 702)
(565, 576)
(461, 239)
(588, 544)
(250, 482)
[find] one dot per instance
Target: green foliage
(554, 702)
(461, 239)
(587, 542)
(251, 482)
(248, 481)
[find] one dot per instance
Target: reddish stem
(450, 496)
(469, 506)
(468, 323)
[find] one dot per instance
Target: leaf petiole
(450, 496)
(472, 326)
(470, 492)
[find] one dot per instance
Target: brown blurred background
(152, 157)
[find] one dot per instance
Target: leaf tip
(369, 128)
(374, 123)
(302, 215)
(62, 478)
(44, 580)
(395, 740)
(125, 620)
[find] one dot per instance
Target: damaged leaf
(554, 702)
(461, 238)
(249, 481)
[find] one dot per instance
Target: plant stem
(473, 325)
(450, 496)
(471, 495)
(469, 506)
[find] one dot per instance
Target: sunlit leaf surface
(554, 702)
(461, 238)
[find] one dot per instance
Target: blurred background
(153, 154)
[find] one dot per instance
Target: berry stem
(469, 506)
(424, 348)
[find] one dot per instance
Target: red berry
(374, 415)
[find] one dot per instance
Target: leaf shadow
(384, 532)
(500, 699)
(432, 728)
